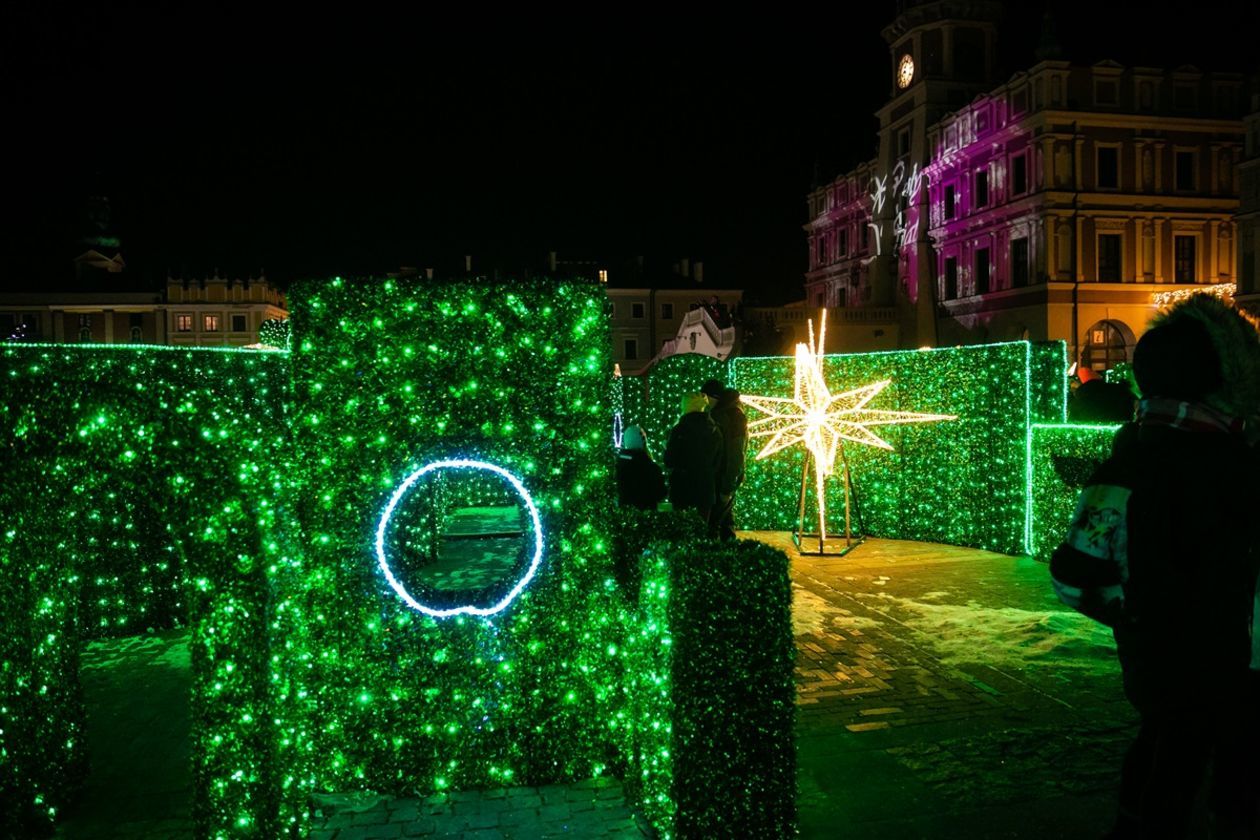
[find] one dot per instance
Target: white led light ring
(401, 491)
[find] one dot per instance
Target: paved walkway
(943, 692)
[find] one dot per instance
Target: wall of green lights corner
(963, 482)
(310, 674)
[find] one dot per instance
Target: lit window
(183, 323)
(603, 275)
(209, 323)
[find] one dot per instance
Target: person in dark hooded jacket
(693, 456)
(640, 482)
(1163, 548)
(729, 417)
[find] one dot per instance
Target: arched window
(1105, 347)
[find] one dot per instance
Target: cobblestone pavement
(942, 693)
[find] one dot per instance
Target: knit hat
(633, 438)
(712, 388)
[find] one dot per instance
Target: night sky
(349, 143)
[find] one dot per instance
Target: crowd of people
(704, 456)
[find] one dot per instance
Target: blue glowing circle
(401, 491)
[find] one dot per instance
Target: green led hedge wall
(1048, 379)
(709, 629)
(137, 498)
(960, 481)
(391, 376)
(1064, 456)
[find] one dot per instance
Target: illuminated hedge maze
(394, 547)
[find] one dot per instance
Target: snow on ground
(1003, 636)
(812, 614)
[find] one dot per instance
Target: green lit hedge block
(708, 729)
(390, 376)
(138, 502)
(1049, 382)
(1064, 456)
(961, 482)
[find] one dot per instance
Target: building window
(1109, 257)
(982, 188)
(1146, 96)
(603, 275)
(85, 321)
(844, 243)
(1108, 168)
(632, 349)
(949, 201)
(1183, 259)
(903, 142)
(982, 271)
(1019, 262)
(1105, 347)
(209, 323)
(1019, 175)
(239, 323)
(1105, 93)
(667, 311)
(636, 310)
(1185, 171)
(951, 278)
(183, 323)
(137, 335)
(822, 250)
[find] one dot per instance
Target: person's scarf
(1187, 416)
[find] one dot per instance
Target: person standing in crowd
(640, 482)
(693, 456)
(1164, 549)
(729, 417)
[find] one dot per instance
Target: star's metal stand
(851, 540)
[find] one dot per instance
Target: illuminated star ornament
(820, 420)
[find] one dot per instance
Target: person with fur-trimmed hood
(1164, 548)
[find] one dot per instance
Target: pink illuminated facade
(1053, 206)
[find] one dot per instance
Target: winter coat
(640, 482)
(1163, 548)
(730, 418)
(694, 456)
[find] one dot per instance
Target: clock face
(905, 72)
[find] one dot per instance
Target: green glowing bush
(708, 722)
(136, 503)
(960, 481)
(1063, 458)
(390, 376)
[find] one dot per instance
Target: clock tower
(942, 54)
